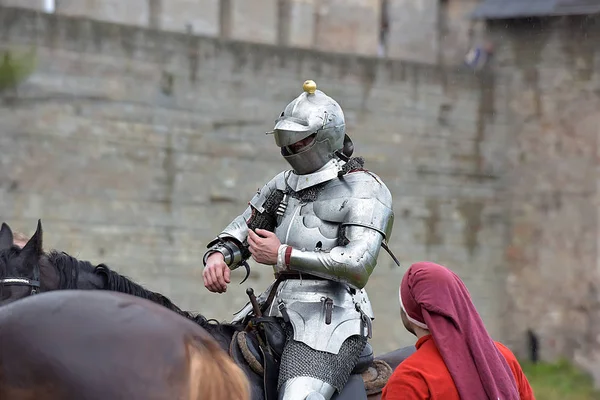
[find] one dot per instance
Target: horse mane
(119, 283)
(68, 268)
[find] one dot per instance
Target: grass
(559, 381)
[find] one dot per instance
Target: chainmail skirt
(298, 359)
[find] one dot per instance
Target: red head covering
(434, 298)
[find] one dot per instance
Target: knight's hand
(264, 247)
(216, 273)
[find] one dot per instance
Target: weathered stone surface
(431, 31)
(552, 185)
(348, 26)
(420, 30)
(136, 148)
(413, 33)
(202, 16)
(130, 12)
(31, 4)
(457, 33)
(302, 23)
(254, 21)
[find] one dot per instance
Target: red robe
(424, 376)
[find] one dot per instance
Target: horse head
(29, 270)
(19, 267)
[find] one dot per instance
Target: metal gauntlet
(230, 241)
(260, 214)
(230, 251)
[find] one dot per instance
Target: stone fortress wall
(141, 134)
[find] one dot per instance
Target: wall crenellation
(338, 26)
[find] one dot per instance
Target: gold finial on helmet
(309, 87)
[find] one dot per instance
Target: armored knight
(323, 224)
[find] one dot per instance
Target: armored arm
(260, 213)
(366, 220)
(230, 242)
(351, 264)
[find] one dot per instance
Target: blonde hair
(214, 375)
(20, 239)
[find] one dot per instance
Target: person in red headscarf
(456, 359)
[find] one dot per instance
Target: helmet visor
(289, 130)
(288, 138)
(301, 145)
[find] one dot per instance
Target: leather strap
(280, 277)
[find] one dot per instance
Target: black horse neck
(75, 274)
(120, 283)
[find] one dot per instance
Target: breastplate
(301, 228)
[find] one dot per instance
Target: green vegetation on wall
(15, 67)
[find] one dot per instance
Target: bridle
(34, 283)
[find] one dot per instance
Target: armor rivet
(310, 87)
